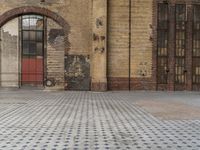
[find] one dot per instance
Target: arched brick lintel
(11, 14)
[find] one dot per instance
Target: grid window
(162, 45)
(32, 35)
(180, 34)
(196, 45)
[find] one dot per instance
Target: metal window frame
(175, 48)
(159, 56)
(21, 45)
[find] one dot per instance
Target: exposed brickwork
(142, 84)
(66, 13)
(117, 83)
(31, 9)
(99, 46)
(118, 39)
(141, 39)
(99, 86)
(141, 45)
(55, 55)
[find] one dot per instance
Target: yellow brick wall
(78, 14)
(141, 51)
(118, 38)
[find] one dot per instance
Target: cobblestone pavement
(88, 120)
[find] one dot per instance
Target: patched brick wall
(75, 12)
(81, 17)
(55, 54)
(76, 17)
(9, 55)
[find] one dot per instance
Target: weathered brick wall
(9, 55)
(141, 44)
(141, 50)
(118, 38)
(118, 44)
(99, 51)
(55, 54)
(76, 12)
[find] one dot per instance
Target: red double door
(32, 71)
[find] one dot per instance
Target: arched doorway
(34, 42)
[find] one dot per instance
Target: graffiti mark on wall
(99, 22)
(77, 72)
(143, 69)
(101, 41)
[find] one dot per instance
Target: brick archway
(64, 31)
(5, 17)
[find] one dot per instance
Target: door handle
(167, 70)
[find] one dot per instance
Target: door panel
(32, 71)
(32, 50)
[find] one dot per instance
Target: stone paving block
(88, 120)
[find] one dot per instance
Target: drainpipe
(130, 28)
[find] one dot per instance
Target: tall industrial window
(180, 35)
(196, 45)
(162, 45)
(32, 35)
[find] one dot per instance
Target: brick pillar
(171, 47)
(189, 48)
(99, 51)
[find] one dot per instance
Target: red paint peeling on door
(32, 71)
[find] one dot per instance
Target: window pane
(32, 48)
(32, 35)
(162, 16)
(25, 35)
(180, 16)
(162, 47)
(25, 48)
(33, 22)
(39, 36)
(25, 23)
(39, 49)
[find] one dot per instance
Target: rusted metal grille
(180, 35)
(196, 45)
(162, 46)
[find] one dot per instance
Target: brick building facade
(100, 45)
